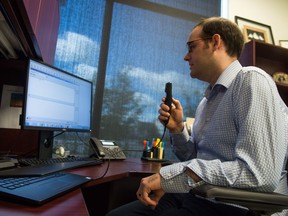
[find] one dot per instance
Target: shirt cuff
(175, 180)
(182, 137)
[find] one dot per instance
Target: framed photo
(283, 43)
(251, 33)
(255, 30)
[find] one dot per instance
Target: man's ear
(216, 40)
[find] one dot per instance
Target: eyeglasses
(190, 45)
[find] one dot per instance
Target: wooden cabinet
(270, 58)
(44, 17)
(35, 24)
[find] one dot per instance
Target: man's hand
(150, 191)
(175, 123)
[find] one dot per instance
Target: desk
(96, 197)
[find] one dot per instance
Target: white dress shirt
(239, 137)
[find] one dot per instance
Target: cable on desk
(105, 170)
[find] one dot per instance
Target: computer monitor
(55, 100)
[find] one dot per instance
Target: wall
(269, 12)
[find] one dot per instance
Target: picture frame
(283, 43)
(255, 30)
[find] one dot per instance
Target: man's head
(213, 45)
(229, 32)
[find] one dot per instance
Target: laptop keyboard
(35, 161)
(18, 182)
(37, 190)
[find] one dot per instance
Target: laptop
(38, 190)
(44, 169)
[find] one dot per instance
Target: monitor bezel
(30, 127)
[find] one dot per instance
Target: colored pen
(144, 144)
(147, 145)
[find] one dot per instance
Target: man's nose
(186, 57)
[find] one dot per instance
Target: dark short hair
(228, 30)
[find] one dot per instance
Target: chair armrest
(255, 201)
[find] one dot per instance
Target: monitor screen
(56, 100)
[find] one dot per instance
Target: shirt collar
(226, 77)
(229, 74)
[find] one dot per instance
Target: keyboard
(36, 161)
(39, 190)
(35, 167)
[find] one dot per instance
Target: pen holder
(147, 154)
(155, 154)
(153, 151)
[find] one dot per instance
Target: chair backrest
(189, 124)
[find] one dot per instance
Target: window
(130, 49)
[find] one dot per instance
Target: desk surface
(73, 203)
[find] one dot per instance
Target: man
(239, 137)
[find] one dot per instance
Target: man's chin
(192, 74)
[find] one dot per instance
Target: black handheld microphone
(168, 100)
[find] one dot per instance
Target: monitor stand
(45, 144)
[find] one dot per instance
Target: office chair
(258, 203)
